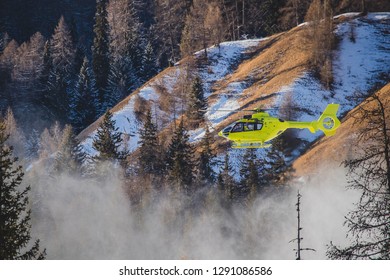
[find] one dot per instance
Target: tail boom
(327, 122)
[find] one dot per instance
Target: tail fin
(328, 121)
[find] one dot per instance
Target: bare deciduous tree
(369, 172)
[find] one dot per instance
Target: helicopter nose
(224, 135)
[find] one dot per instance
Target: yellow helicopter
(254, 131)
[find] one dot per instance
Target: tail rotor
(328, 121)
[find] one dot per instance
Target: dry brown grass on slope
(334, 150)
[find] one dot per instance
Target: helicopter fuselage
(254, 131)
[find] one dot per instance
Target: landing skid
(253, 145)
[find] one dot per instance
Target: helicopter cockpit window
(227, 129)
(238, 127)
(259, 126)
(249, 126)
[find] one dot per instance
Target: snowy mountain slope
(222, 59)
(250, 73)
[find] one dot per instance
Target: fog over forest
(83, 219)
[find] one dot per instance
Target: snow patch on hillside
(357, 67)
(222, 58)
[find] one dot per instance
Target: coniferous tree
(83, 107)
(70, 155)
(180, 163)
(146, 11)
(149, 159)
(4, 40)
(226, 183)
(43, 80)
(149, 63)
(293, 13)
(7, 62)
(206, 174)
(20, 73)
(125, 51)
(120, 82)
(80, 48)
(268, 12)
(194, 36)
(32, 145)
(60, 80)
(28, 67)
(197, 103)
(16, 137)
(49, 141)
(108, 140)
(251, 18)
(14, 216)
(249, 173)
(369, 172)
(277, 166)
(100, 50)
(8, 56)
(35, 55)
(215, 24)
(204, 27)
(170, 18)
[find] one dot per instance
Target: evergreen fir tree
(108, 140)
(149, 63)
(82, 106)
(60, 79)
(43, 80)
(14, 216)
(180, 160)
(277, 163)
(70, 155)
(100, 54)
(226, 183)
(4, 40)
(125, 46)
(250, 178)
(32, 145)
(120, 82)
(206, 160)
(149, 158)
(80, 48)
(62, 49)
(197, 102)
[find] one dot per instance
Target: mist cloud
(86, 219)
